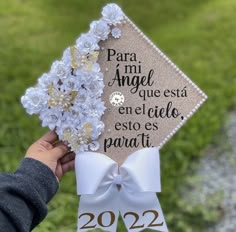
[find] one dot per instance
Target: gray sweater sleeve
(24, 196)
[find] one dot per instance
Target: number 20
(99, 220)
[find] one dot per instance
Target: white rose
(100, 29)
(60, 70)
(44, 81)
(51, 118)
(87, 43)
(34, 100)
(112, 14)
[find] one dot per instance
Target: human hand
(52, 153)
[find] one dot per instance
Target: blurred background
(198, 165)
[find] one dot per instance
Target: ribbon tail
(141, 211)
(98, 211)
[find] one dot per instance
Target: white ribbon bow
(106, 190)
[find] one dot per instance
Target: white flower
(93, 108)
(71, 117)
(71, 83)
(96, 108)
(34, 100)
(100, 29)
(83, 77)
(66, 131)
(94, 88)
(44, 81)
(112, 13)
(87, 43)
(60, 70)
(94, 84)
(116, 33)
(51, 118)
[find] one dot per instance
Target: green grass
(199, 36)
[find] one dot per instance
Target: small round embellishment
(117, 99)
(116, 33)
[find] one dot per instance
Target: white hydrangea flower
(112, 14)
(116, 33)
(34, 100)
(100, 29)
(87, 43)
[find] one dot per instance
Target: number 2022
(90, 225)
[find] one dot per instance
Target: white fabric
(106, 190)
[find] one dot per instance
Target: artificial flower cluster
(68, 98)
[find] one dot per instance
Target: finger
(59, 143)
(59, 172)
(68, 157)
(49, 137)
(45, 144)
(59, 151)
(66, 167)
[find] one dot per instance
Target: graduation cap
(114, 91)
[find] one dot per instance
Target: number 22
(136, 216)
